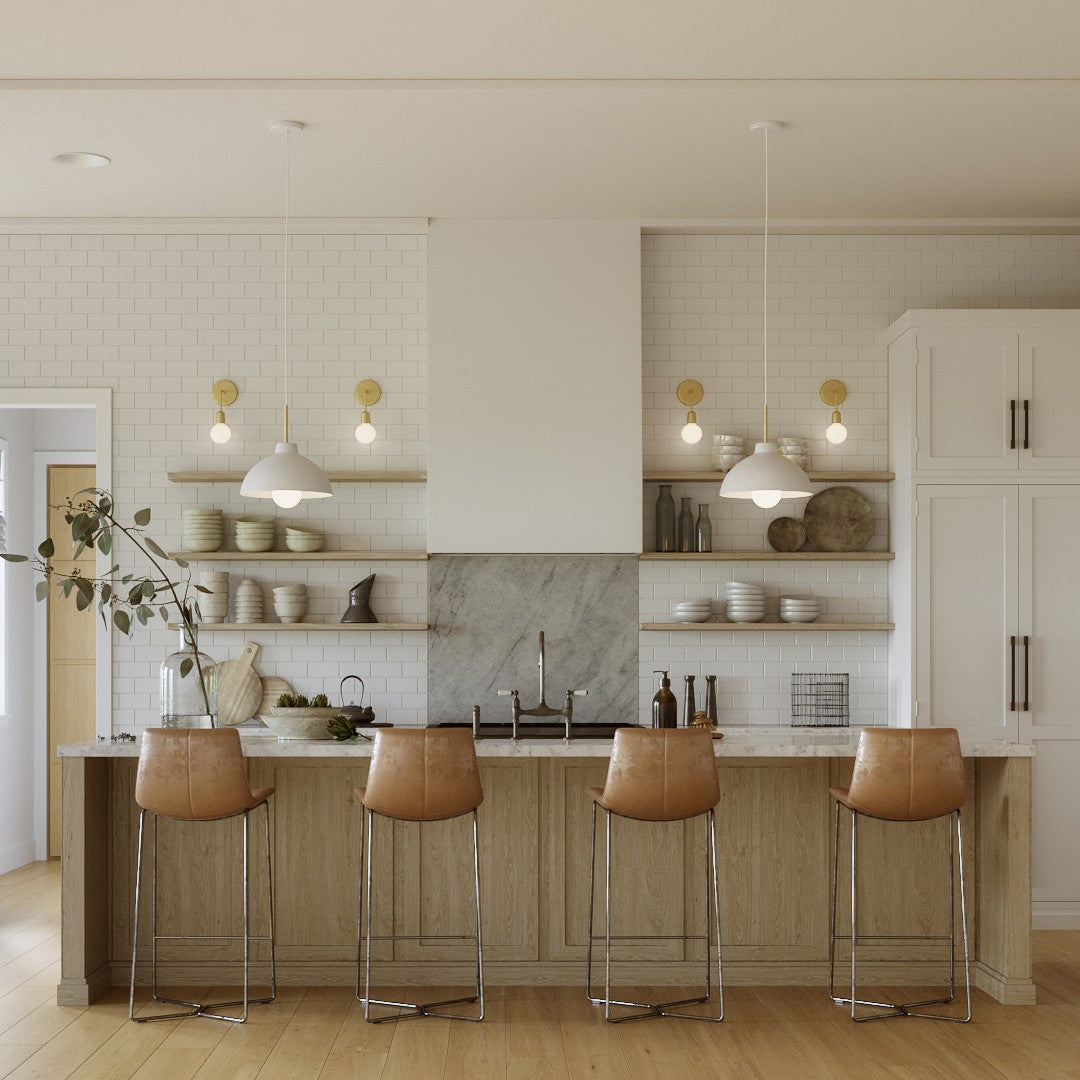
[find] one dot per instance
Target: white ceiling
(955, 109)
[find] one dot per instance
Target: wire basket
(819, 700)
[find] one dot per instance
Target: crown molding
(880, 226)
(253, 225)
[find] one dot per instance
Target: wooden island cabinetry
(774, 823)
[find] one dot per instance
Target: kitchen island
(774, 825)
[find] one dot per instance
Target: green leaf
(142, 613)
(105, 505)
(79, 550)
(85, 588)
(80, 527)
(148, 589)
(81, 601)
(203, 588)
(106, 592)
(66, 586)
(126, 578)
(185, 666)
(123, 622)
(14, 558)
(46, 549)
(182, 563)
(135, 593)
(41, 589)
(142, 517)
(104, 541)
(164, 613)
(154, 547)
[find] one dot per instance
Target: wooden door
(1049, 523)
(1050, 384)
(71, 664)
(966, 607)
(964, 383)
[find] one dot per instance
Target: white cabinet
(977, 393)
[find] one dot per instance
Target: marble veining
(486, 613)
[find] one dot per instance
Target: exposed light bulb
(365, 430)
(691, 432)
(286, 499)
(766, 499)
(221, 432)
(836, 432)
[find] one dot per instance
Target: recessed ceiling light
(79, 160)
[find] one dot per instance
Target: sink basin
(540, 731)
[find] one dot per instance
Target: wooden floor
(773, 1033)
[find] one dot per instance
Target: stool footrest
(421, 1009)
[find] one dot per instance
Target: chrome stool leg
(417, 1009)
(912, 1008)
(651, 1009)
(195, 1008)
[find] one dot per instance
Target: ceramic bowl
(787, 616)
(302, 542)
(244, 544)
(691, 617)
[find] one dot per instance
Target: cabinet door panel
(963, 385)
(1050, 382)
(966, 605)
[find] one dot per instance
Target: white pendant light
(286, 476)
(765, 476)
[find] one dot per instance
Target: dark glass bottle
(703, 529)
(665, 520)
(686, 526)
(690, 705)
(710, 699)
(665, 709)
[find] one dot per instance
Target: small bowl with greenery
(295, 717)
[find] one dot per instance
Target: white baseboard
(1055, 915)
(15, 855)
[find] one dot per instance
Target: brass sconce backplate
(833, 392)
(368, 392)
(690, 392)
(224, 392)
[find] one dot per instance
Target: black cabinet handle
(1012, 424)
(1012, 674)
(1027, 425)
(1027, 658)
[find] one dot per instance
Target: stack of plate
(796, 449)
(248, 606)
(203, 530)
(254, 533)
(692, 610)
(298, 539)
(727, 450)
(799, 608)
(745, 602)
(214, 604)
(290, 602)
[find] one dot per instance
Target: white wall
(535, 386)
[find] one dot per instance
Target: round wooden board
(273, 686)
(786, 534)
(839, 519)
(239, 687)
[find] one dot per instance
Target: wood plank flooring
(531, 1033)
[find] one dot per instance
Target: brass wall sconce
(224, 391)
(367, 393)
(833, 393)
(690, 393)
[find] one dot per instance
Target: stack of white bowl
(692, 610)
(745, 602)
(298, 539)
(254, 533)
(248, 605)
(203, 529)
(799, 608)
(795, 448)
(290, 602)
(215, 604)
(727, 450)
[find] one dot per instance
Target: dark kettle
(357, 714)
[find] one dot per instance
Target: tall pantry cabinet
(984, 411)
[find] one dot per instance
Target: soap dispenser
(664, 705)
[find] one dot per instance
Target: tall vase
(188, 685)
(665, 519)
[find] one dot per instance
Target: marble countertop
(779, 742)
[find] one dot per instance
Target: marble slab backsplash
(486, 613)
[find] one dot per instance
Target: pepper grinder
(690, 706)
(710, 699)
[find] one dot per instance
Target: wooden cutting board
(273, 686)
(239, 687)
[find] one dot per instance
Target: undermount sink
(540, 731)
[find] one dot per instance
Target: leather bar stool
(198, 775)
(657, 775)
(903, 775)
(425, 774)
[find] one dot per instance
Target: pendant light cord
(286, 291)
(765, 297)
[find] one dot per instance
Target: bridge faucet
(543, 709)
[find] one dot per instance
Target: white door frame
(100, 400)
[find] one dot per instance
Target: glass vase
(665, 519)
(188, 685)
(703, 529)
(686, 526)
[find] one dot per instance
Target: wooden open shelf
(245, 627)
(300, 556)
(676, 476)
(799, 627)
(768, 556)
(199, 477)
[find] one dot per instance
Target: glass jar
(188, 685)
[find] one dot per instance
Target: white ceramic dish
(689, 618)
(788, 617)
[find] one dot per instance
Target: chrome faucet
(543, 709)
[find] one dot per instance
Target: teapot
(357, 714)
